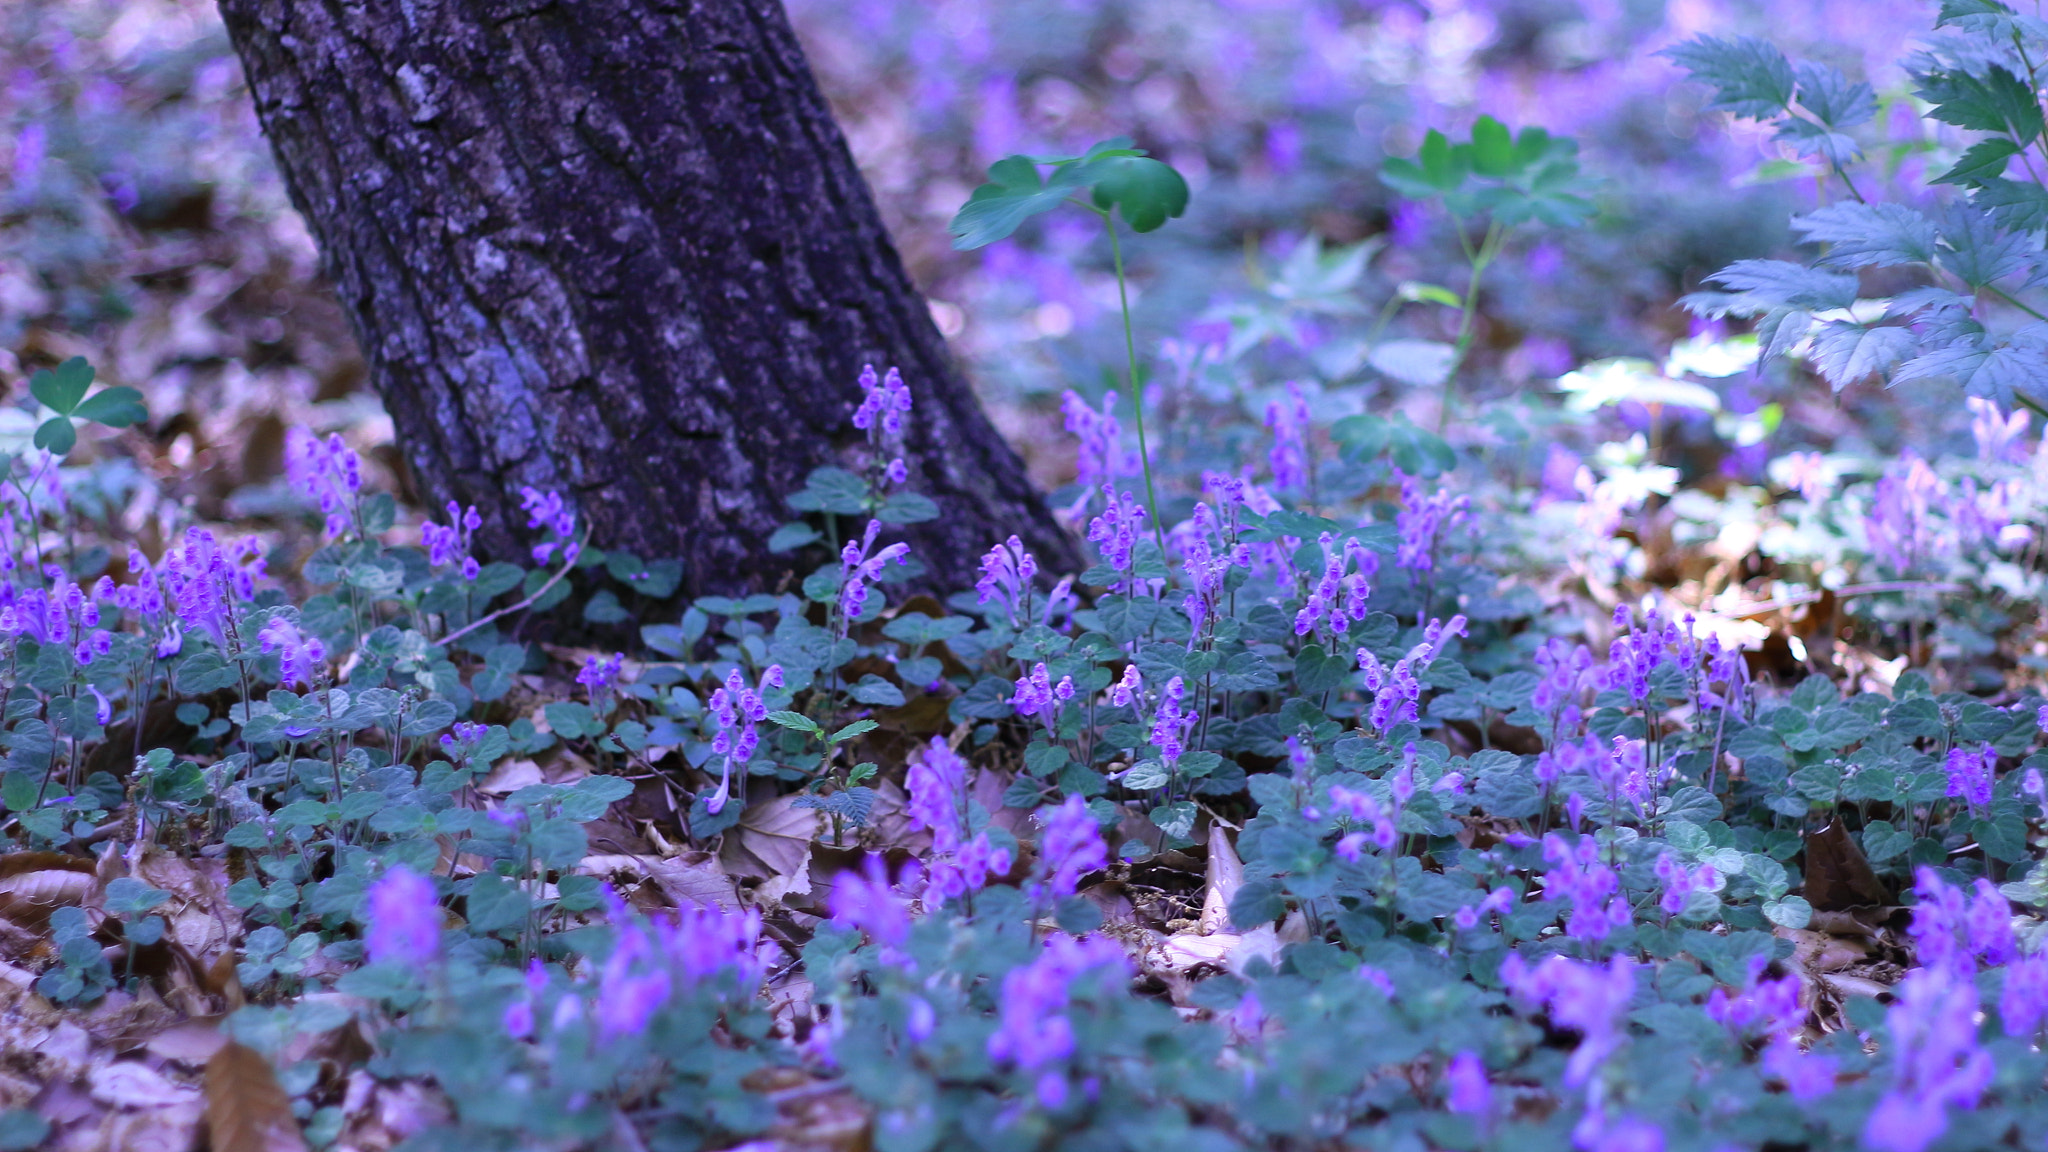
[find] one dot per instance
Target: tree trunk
(617, 248)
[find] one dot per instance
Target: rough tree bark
(617, 248)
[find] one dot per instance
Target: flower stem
(1123, 297)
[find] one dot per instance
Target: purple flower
(865, 901)
(1033, 1030)
(600, 672)
(1900, 524)
(883, 403)
(1170, 724)
(1339, 598)
(2023, 1004)
(1806, 1076)
(206, 581)
(403, 919)
(1591, 887)
(1360, 808)
(300, 657)
(735, 709)
(632, 986)
(1006, 573)
(701, 942)
(1681, 882)
(1936, 1063)
(862, 564)
(1499, 900)
(451, 544)
(960, 863)
(1070, 848)
(1289, 423)
(1127, 689)
(1036, 695)
(550, 513)
(1970, 774)
(1465, 1085)
(1590, 999)
(1115, 533)
(1102, 457)
(2001, 439)
(325, 472)
(1422, 520)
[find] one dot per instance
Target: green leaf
(796, 720)
(1014, 193)
(1750, 77)
(1985, 160)
(1147, 192)
(1882, 841)
(1493, 150)
(61, 388)
(496, 904)
(114, 407)
(56, 435)
(1176, 819)
(1994, 102)
(857, 728)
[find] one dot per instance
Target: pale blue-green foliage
(1976, 320)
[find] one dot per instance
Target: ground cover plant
(1652, 759)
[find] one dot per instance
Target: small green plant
(1505, 179)
(1119, 179)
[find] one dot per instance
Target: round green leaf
(1148, 192)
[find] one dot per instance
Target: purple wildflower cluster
(327, 473)
(1115, 533)
(1338, 599)
(550, 513)
(1038, 697)
(206, 581)
(861, 562)
(1007, 571)
(452, 544)
(1070, 848)
(1102, 457)
(651, 961)
(735, 710)
(1034, 1032)
(867, 901)
(962, 859)
(1592, 1000)
(300, 657)
(1289, 422)
(885, 401)
(1424, 516)
(1397, 694)
(1577, 877)
(402, 919)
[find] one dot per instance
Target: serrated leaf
(1844, 353)
(2016, 204)
(1997, 101)
(1994, 372)
(1869, 235)
(1984, 160)
(796, 720)
(1750, 77)
(1833, 98)
(1769, 284)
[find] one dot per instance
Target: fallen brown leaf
(246, 1110)
(1838, 875)
(772, 839)
(35, 884)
